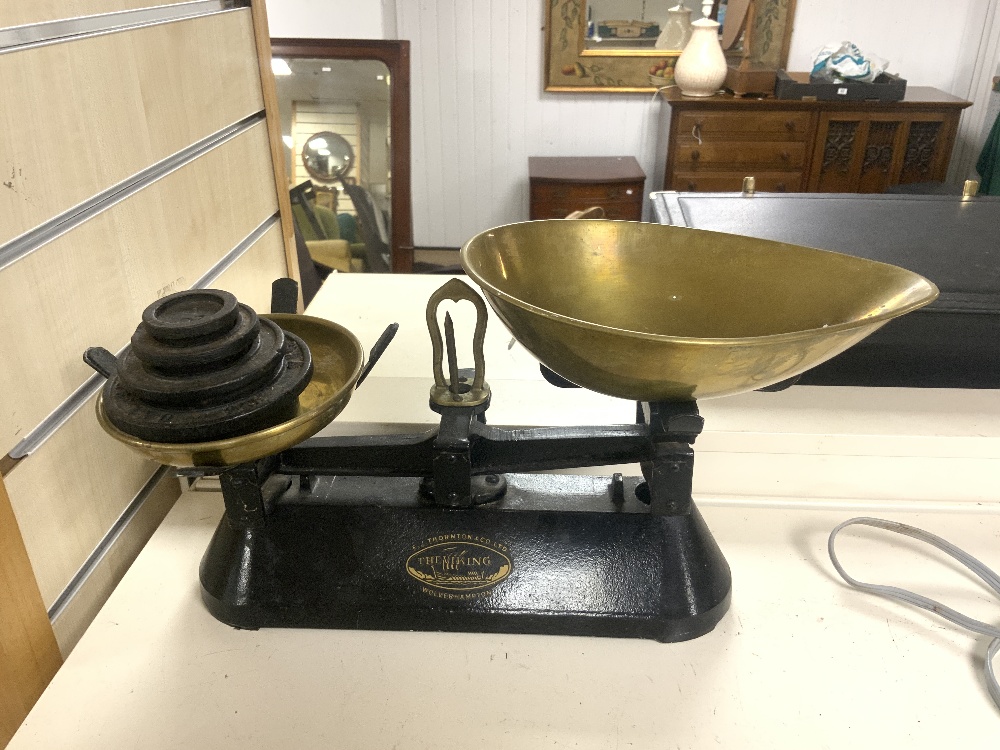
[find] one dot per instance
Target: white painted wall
(326, 19)
(978, 119)
(479, 112)
(925, 41)
(478, 109)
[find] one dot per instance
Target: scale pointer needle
(449, 342)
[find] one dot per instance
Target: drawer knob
(780, 187)
(790, 126)
(695, 155)
(692, 187)
(785, 156)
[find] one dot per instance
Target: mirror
(619, 45)
(344, 112)
(327, 156)
(637, 25)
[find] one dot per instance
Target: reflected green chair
(321, 231)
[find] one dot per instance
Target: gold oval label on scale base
(459, 566)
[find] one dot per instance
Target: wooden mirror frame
(395, 54)
(569, 66)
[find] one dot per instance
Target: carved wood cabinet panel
(866, 153)
(829, 147)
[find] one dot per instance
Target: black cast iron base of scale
(446, 531)
(435, 532)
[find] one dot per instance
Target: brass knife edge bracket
(442, 392)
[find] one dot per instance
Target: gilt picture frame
(570, 66)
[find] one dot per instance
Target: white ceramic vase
(701, 68)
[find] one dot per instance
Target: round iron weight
(261, 363)
(199, 351)
(273, 403)
(203, 367)
(198, 312)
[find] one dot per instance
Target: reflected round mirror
(327, 156)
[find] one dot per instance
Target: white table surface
(800, 661)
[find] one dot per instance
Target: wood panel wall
(159, 222)
(17, 13)
(135, 163)
(28, 653)
(188, 80)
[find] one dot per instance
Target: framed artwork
(585, 54)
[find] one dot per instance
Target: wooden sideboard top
(917, 97)
(584, 168)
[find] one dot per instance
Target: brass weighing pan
(659, 313)
(337, 362)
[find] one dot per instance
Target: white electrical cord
(992, 580)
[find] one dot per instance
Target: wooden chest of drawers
(563, 184)
(805, 146)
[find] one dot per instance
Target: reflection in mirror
(644, 24)
(335, 120)
(327, 156)
(339, 110)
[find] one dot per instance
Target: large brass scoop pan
(657, 313)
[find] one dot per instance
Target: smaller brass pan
(337, 361)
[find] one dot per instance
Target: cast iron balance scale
(451, 529)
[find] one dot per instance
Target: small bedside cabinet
(562, 184)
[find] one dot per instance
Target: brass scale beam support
(462, 461)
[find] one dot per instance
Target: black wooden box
(955, 242)
(885, 88)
